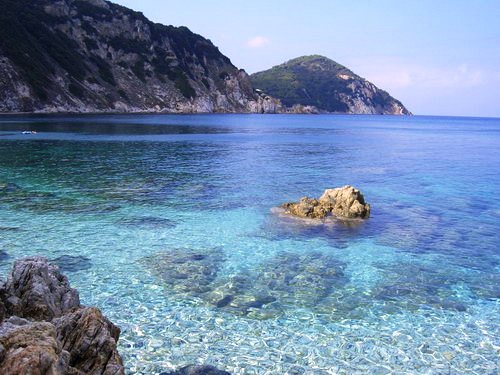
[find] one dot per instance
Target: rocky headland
(319, 82)
(345, 202)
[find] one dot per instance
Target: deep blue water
(167, 223)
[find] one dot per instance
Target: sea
(171, 225)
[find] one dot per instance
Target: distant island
(93, 56)
(320, 82)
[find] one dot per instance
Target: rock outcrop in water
(345, 202)
(45, 330)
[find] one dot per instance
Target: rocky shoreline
(45, 330)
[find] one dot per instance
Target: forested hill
(323, 83)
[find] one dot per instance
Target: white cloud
(428, 87)
(399, 74)
(258, 42)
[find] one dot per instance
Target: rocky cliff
(96, 56)
(323, 83)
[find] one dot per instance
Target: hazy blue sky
(438, 57)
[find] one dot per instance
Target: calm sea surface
(167, 224)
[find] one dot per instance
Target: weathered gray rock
(36, 289)
(72, 263)
(91, 340)
(3, 311)
(346, 202)
(47, 331)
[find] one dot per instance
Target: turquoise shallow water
(167, 224)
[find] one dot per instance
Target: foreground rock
(31, 348)
(37, 290)
(45, 330)
(346, 202)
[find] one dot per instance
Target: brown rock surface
(47, 331)
(31, 348)
(306, 207)
(346, 202)
(91, 340)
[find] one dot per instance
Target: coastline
(100, 113)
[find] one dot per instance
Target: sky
(439, 57)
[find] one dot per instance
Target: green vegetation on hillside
(308, 80)
(28, 41)
(317, 81)
(79, 48)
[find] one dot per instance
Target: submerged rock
(72, 263)
(415, 287)
(199, 370)
(4, 255)
(301, 279)
(9, 187)
(344, 202)
(186, 270)
(151, 222)
(42, 201)
(240, 295)
(47, 331)
(286, 281)
(10, 229)
(224, 292)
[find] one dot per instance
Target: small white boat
(29, 132)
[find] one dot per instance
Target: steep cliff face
(96, 56)
(323, 83)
